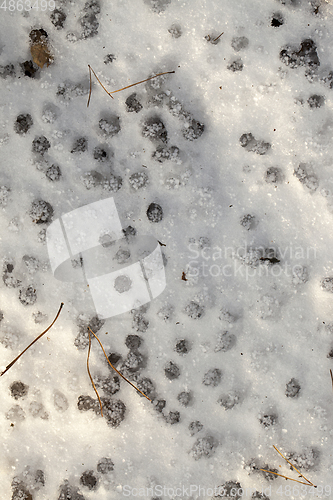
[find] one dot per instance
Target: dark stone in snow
(185, 398)
(18, 389)
(194, 130)
(204, 447)
(41, 212)
(225, 341)
(274, 175)
(195, 427)
(194, 310)
(133, 342)
(100, 154)
(109, 58)
(305, 56)
(23, 123)
(105, 465)
(239, 43)
(80, 145)
(154, 129)
(212, 377)
(182, 346)
(236, 65)
(89, 480)
(327, 284)
(316, 101)
(29, 68)
(304, 175)
(40, 145)
(110, 126)
(249, 142)
(232, 490)
(28, 296)
(133, 105)
(171, 371)
(155, 212)
(6, 71)
(53, 173)
(268, 420)
(292, 388)
(173, 417)
(229, 400)
(277, 20)
(159, 405)
(20, 491)
(58, 18)
(68, 492)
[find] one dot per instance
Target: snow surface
(252, 172)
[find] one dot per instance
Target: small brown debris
(39, 48)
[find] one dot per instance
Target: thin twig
(91, 379)
(285, 477)
(37, 338)
(90, 86)
(331, 377)
(218, 37)
(115, 369)
(124, 88)
(308, 483)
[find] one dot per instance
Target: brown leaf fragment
(41, 54)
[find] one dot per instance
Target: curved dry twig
(91, 379)
(115, 369)
(37, 338)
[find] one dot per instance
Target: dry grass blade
(124, 88)
(91, 379)
(308, 483)
(37, 338)
(115, 369)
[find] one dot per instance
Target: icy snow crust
(227, 163)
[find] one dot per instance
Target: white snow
(232, 154)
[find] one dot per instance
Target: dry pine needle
(91, 71)
(113, 367)
(308, 483)
(37, 338)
